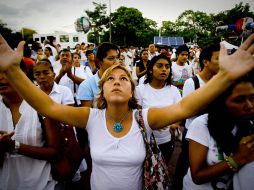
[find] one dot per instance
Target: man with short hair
(91, 61)
(181, 70)
(68, 75)
(107, 55)
(152, 51)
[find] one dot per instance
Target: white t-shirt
(150, 55)
(56, 66)
(19, 171)
(54, 52)
(188, 88)
(181, 72)
(128, 59)
(148, 96)
(244, 178)
(117, 162)
(199, 133)
(61, 94)
(81, 72)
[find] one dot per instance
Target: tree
(230, 17)
(194, 25)
(129, 27)
(99, 21)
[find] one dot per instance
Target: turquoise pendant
(118, 127)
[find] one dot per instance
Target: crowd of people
(205, 93)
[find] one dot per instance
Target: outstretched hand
(9, 56)
(240, 62)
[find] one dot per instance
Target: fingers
(6, 136)
(250, 144)
(248, 42)
(2, 40)
(223, 50)
(248, 141)
(20, 48)
(251, 49)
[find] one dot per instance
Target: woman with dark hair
(157, 91)
(44, 76)
(141, 65)
(49, 55)
(216, 145)
(116, 143)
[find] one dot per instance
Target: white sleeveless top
(117, 162)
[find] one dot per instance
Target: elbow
(52, 153)
(198, 179)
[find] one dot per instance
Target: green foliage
(129, 27)
(99, 21)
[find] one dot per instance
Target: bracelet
(231, 163)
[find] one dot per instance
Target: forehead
(65, 53)
(162, 61)
(118, 71)
(75, 55)
(145, 52)
(215, 53)
(42, 66)
(184, 53)
(112, 52)
(243, 88)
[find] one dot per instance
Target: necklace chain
(118, 127)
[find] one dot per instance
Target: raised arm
(40, 101)
(232, 67)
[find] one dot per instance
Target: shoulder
(198, 130)
(89, 81)
(60, 88)
(189, 81)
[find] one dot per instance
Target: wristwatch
(16, 147)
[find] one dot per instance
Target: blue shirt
(89, 89)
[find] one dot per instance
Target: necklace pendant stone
(117, 127)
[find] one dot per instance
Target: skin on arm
(52, 143)
(40, 101)
(232, 67)
(202, 173)
(87, 103)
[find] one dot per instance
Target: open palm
(240, 62)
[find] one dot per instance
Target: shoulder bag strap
(74, 85)
(196, 82)
(140, 120)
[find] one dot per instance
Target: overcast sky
(47, 16)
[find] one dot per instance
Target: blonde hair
(101, 101)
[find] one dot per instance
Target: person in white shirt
(69, 75)
(181, 71)
(157, 91)
(24, 154)
(209, 63)
(222, 141)
(152, 51)
(118, 150)
(44, 76)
